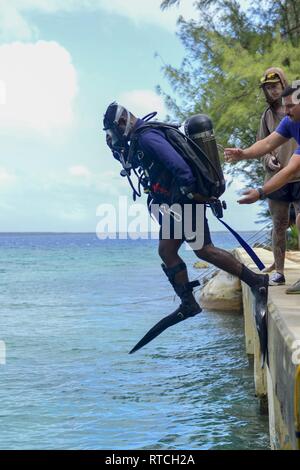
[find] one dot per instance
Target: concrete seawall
(278, 383)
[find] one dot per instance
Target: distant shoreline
(93, 233)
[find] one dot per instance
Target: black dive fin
(161, 326)
(261, 317)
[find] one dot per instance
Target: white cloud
(141, 102)
(80, 171)
(15, 25)
(6, 178)
(41, 85)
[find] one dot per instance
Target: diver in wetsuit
(171, 180)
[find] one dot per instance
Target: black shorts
(288, 193)
(175, 221)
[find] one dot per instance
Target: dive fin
(162, 325)
(260, 294)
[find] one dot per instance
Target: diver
(171, 180)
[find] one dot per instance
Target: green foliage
(227, 51)
(292, 238)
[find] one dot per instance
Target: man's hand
(252, 195)
(233, 155)
(273, 164)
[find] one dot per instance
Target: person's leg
(296, 205)
(280, 216)
(224, 260)
(295, 288)
(176, 271)
(269, 269)
(168, 251)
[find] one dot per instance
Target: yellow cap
(271, 77)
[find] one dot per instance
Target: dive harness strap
(219, 214)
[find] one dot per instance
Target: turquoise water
(71, 308)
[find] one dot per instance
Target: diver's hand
(233, 155)
(251, 196)
(273, 164)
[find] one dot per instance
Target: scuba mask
(117, 137)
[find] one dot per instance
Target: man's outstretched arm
(277, 181)
(259, 149)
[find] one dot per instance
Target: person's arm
(270, 160)
(283, 176)
(260, 148)
(276, 182)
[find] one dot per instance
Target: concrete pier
(278, 383)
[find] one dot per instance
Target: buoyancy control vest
(203, 161)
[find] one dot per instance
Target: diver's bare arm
(264, 146)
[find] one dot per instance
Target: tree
(286, 13)
(227, 51)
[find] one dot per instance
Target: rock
(223, 293)
(201, 265)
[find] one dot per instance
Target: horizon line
(46, 232)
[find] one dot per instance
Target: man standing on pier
(272, 84)
(288, 128)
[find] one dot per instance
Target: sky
(61, 64)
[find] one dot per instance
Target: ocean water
(72, 307)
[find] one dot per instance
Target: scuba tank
(199, 129)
